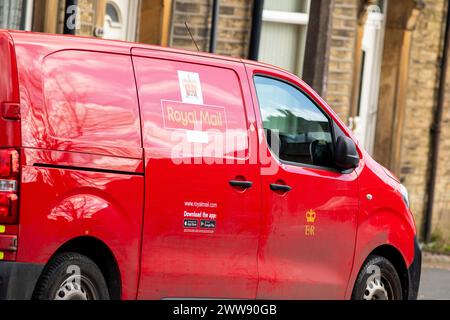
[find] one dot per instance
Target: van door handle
(241, 184)
(280, 187)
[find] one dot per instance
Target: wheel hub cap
(375, 290)
(76, 288)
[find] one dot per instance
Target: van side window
(296, 129)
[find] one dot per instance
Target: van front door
(309, 209)
(203, 202)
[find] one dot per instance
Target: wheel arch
(394, 255)
(387, 232)
(99, 252)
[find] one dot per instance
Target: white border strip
(285, 17)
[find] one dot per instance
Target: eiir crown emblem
(310, 216)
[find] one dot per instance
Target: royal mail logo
(178, 115)
(190, 86)
(310, 229)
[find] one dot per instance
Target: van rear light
(9, 163)
(8, 185)
(8, 208)
(9, 180)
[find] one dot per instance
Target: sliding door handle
(280, 187)
(241, 184)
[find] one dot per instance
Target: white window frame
(372, 45)
(29, 15)
(128, 22)
(27, 10)
(292, 18)
(286, 17)
(131, 30)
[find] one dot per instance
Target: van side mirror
(346, 155)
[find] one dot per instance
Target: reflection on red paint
(84, 109)
(77, 207)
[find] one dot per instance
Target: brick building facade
(339, 84)
(405, 86)
(409, 155)
(425, 69)
(234, 26)
(421, 86)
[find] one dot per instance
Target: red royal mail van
(139, 172)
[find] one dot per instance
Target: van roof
(56, 42)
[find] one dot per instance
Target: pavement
(435, 279)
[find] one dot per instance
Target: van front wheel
(377, 280)
(71, 276)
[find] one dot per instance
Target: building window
(121, 18)
(113, 28)
(16, 14)
(283, 34)
(112, 13)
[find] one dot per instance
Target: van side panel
(66, 204)
(89, 106)
(82, 172)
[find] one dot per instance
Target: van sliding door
(202, 207)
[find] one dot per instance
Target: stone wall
(424, 72)
(341, 62)
(233, 27)
(441, 221)
(421, 102)
(87, 17)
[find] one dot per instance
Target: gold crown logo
(310, 216)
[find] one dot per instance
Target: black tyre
(71, 276)
(377, 280)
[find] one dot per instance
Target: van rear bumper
(17, 280)
(414, 272)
